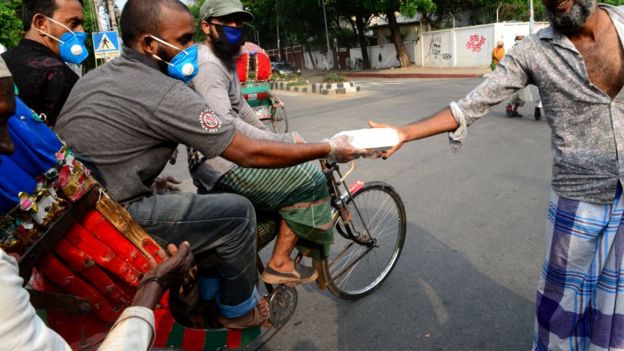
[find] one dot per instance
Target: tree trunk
(363, 44)
(398, 41)
(307, 48)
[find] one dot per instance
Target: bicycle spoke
(358, 265)
(341, 254)
(348, 257)
(351, 266)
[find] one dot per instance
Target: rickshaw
(254, 71)
(82, 255)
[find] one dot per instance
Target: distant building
(408, 26)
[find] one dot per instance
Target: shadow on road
(434, 300)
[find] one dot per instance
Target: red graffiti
(475, 43)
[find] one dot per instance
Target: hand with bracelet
(135, 328)
(160, 278)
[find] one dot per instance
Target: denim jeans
(221, 229)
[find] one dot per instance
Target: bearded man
(298, 193)
(578, 65)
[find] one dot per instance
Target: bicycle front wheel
(366, 250)
(279, 120)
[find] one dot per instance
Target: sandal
(258, 318)
(301, 274)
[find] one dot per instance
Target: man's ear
(148, 45)
(205, 25)
(40, 22)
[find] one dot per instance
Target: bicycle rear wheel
(365, 251)
(279, 119)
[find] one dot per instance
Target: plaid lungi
(580, 297)
(299, 194)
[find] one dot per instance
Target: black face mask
(230, 39)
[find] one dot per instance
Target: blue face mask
(230, 39)
(184, 66)
(72, 47)
(233, 35)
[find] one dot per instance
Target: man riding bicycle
(298, 193)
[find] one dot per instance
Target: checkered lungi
(580, 297)
(299, 194)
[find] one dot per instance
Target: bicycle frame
(342, 214)
(340, 199)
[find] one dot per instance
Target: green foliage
(199, 33)
(613, 2)
(90, 26)
(10, 24)
(333, 78)
(410, 8)
(298, 83)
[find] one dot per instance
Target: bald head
(145, 17)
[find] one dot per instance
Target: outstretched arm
(247, 152)
(510, 76)
(441, 122)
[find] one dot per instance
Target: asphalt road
(467, 276)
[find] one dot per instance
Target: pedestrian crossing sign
(106, 45)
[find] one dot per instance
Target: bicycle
(279, 119)
(370, 226)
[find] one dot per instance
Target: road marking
(436, 302)
(381, 83)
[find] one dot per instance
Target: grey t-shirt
(218, 83)
(125, 119)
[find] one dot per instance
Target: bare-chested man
(577, 64)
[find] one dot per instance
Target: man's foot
(257, 317)
(300, 274)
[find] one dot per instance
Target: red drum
(100, 260)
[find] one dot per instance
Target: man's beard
(162, 53)
(569, 23)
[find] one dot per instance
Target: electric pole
(112, 16)
(532, 18)
(279, 50)
(326, 37)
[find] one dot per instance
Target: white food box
(374, 139)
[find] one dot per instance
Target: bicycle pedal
(282, 305)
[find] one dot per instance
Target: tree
(359, 16)
(10, 24)
(300, 22)
(407, 8)
(194, 8)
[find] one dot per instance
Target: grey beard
(571, 22)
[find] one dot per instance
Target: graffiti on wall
(476, 42)
(435, 55)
